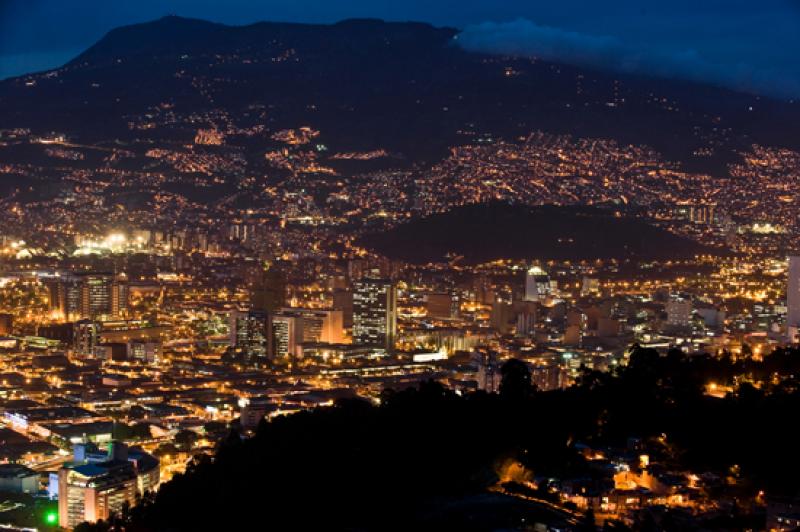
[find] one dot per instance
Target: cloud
(523, 37)
(741, 44)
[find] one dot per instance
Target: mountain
(485, 232)
(367, 84)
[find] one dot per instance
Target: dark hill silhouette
(424, 459)
(406, 87)
(486, 232)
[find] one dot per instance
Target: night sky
(735, 43)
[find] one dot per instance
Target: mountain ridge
(369, 84)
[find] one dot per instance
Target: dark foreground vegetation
(422, 459)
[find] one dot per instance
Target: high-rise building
(96, 483)
(85, 337)
(285, 335)
(119, 296)
(92, 492)
(590, 287)
(442, 305)
(268, 293)
(375, 313)
(249, 333)
(65, 295)
(292, 327)
(679, 312)
(6, 324)
(488, 374)
(88, 295)
(537, 284)
(343, 300)
(96, 298)
(793, 299)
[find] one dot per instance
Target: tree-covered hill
(430, 459)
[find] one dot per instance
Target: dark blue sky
(741, 44)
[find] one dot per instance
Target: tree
(515, 380)
(184, 439)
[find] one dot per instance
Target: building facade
(375, 313)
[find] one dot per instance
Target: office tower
(537, 284)
(88, 295)
(269, 290)
(92, 492)
(590, 287)
(65, 295)
(502, 316)
(484, 291)
(679, 312)
(291, 327)
(119, 296)
(526, 323)
(548, 377)
(16, 478)
(375, 313)
(96, 483)
(701, 213)
(343, 300)
(85, 337)
(793, 299)
(6, 324)
(144, 351)
(488, 374)
(442, 305)
(96, 296)
(249, 333)
(285, 336)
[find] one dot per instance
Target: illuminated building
(144, 351)
(537, 284)
(293, 326)
(441, 305)
(249, 333)
(375, 313)
(97, 484)
(119, 296)
(92, 492)
(679, 312)
(284, 335)
(85, 336)
(88, 295)
(343, 300)
(793, 299)
(590, 286)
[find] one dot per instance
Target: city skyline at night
(492, 266)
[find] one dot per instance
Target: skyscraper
(269, 290)
(679, 312)
(88, 295)
(96, 297)
(292, 327)
(375, 313)
(96, 484)
(249, 331)
(537, 284)
(793, 299)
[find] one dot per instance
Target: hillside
(366, 84)
(485, 232)
(431, 459)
